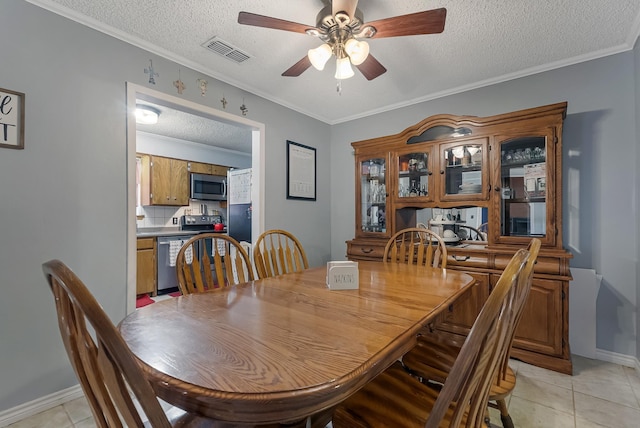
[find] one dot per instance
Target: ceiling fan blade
(427, 22)
(348, 6)
(298, 68)
(248, 18)
(371, 68)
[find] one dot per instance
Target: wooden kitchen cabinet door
(146, 266)
(169, 181)
(200, 168)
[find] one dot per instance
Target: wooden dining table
(280, 349)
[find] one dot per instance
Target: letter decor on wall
(11, 119)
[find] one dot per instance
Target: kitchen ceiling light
(146, 115)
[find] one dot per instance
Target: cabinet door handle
(461, 258)
(497, 188)
(367, 250)
(442, 171)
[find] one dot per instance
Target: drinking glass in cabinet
(374, 195)
(413, 175)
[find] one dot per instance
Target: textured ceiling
(198, 129)
(484, 41)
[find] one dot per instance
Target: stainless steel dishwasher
(168, 247)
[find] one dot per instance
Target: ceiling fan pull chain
(339, 87)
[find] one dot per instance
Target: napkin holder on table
(342, 275)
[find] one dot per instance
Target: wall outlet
(175, 220)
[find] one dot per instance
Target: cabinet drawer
(549, 265)
(364, 251)
(466, 260)
(146, 243)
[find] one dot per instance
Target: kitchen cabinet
(219, 170)
(199, 167)
(164, 181)
(507, 167)
(207, 168)
(146, 266)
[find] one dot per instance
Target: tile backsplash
(160, 216)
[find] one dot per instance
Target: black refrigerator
(239, 204)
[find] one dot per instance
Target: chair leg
(507, 422)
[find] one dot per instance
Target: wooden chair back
(416, 245)
(277, 252)
(522, 293)
(396, 398)
(469, 382)
(212, 260)
(472, 234)
(105, 367)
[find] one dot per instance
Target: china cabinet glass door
(414, 175)
(463, 170)
(525, 199)
(373, 194)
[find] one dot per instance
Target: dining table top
(283, 348)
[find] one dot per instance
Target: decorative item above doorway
(11, 119)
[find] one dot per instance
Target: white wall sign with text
(11, 119)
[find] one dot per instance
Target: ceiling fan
(342, 28)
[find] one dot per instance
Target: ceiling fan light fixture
(343, 68)
(319, 56)
(357, 51)
(146, 115)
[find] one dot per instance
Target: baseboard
(620, 359)
(34, 407)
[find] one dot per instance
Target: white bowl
(449, 234)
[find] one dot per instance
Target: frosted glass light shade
(343, 68)
(357, 51)
(146, 115)
(319, 56)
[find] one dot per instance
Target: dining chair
(110, 376)
(484, 229)
(433, 357)
(395, 398)
(277, 252)
(416, 245)
(470, 233)
(211, 260)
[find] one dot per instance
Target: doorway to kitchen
(137, 94)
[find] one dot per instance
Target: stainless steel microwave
(205, 187)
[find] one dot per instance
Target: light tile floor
(599, 394)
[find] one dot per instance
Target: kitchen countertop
(150, 232)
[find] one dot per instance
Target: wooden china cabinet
(505, 168)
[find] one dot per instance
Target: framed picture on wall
(301, 172)
(11, 119)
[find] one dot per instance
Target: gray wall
(600, 154)
(636, 194)
(65, 195)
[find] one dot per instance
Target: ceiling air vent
(227, 50)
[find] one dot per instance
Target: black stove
(204, 223)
